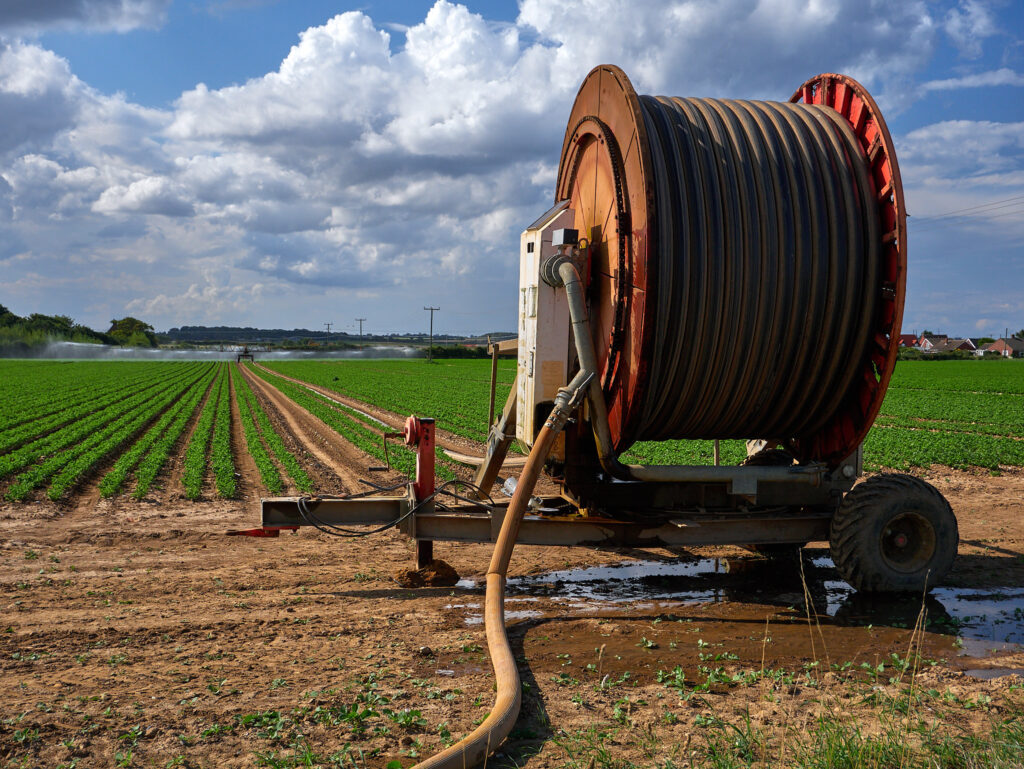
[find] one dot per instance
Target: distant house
(951, 345)
(979, 347)
(927, 343)
(1011, 347)
(908, 340)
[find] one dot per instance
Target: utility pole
(430, 349)
(328, 328)
(360, 328)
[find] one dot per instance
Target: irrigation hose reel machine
(711, 269)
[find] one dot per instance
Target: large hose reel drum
(747, 261)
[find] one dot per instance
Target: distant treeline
(244, 334)
(303, 337)
(36, 330)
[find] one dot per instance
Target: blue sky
(252, 162)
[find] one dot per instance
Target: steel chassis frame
(746, 524)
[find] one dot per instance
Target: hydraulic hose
(474, 748)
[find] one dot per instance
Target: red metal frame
(606, 107)
(419, 432)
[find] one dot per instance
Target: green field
(955, 413)
(64, 422)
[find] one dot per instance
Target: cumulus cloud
(210, 299)
(149, 195)
(38, 97)
(27, 16)
(966, 174)
(968, 25)
(964, 150)
(996, 77)
(367, 165)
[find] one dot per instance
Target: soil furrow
(445, 439)
(323, 477)
(322, 441)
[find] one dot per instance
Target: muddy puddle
(749, 612)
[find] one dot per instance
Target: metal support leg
(501, 436)
(419, 432)
(424, 552)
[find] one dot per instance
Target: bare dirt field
(137, 634)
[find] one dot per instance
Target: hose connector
(568, 399)
(549, 269)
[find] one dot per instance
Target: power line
(964, 219)
(328, 328)
(360, 328)
(972, 208)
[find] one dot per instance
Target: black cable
(339, 531)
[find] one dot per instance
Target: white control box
(545, 329)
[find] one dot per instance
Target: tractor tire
(894, 533)
(777, 552)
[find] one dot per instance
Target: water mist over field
(80, 351)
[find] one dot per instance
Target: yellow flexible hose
(474, 748)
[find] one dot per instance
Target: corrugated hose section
(766, 266)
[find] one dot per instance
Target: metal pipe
(570, 279)
(479, 744)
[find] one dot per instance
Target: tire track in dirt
(321, 440)
(324, 478)
(445, 439)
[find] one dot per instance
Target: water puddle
(987, 674)
(973, 622)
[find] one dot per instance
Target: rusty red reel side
(850, 99)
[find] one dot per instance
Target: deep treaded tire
(894, 533)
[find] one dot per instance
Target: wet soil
(137, 634)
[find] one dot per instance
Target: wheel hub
(908, 542)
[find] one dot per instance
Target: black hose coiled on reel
(767, 255)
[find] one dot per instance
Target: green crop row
(949, 425)
(957, 413)
(1005, 411)
(288, 461)
(195, 454)
(53, 391)
(901, 448)
(220, 454)
(154, 461)
(954, 376)
(66, 468)
(62, 411)
(454, 392)
(268, 471)
(156, 435)
(81, 427)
